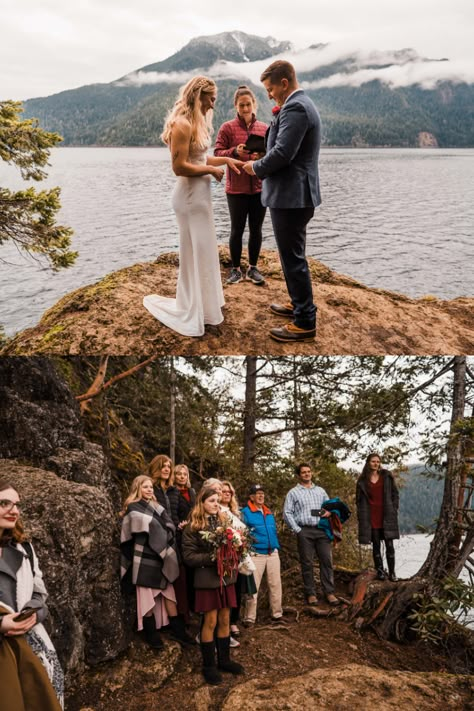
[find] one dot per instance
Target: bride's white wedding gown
(199, 295)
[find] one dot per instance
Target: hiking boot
(332, 599)
(254, 275)
(293, 334)
(282, 309)
(311, 600)
(235, 276)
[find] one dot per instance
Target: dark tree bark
(172, 411)
(445, 547)
(250, 414)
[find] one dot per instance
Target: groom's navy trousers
(289, 227)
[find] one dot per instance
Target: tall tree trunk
(296, 431)
(453, 542)
(250, 414)
(172, 410)
(444, 549)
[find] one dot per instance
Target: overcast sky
(49, 45)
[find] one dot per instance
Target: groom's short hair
(279, 70)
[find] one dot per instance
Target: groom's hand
(248, 167)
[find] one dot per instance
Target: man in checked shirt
(302, 511)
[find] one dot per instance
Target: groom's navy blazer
(290, 167)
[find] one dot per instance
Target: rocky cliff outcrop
(354, 687)
(66, 487)
(108, 317)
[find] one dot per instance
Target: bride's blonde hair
(188, 105)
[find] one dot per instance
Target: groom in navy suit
(289, 171)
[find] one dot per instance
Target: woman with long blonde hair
(149, 562)
(199, 296)
(214, 596)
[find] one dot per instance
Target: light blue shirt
(299, 503)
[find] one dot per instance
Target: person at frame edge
(302, 512)
(30, 675)
(289, 171)
(377, 512)
(243, 191)
(262, 527)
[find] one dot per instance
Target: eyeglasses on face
(8, 505)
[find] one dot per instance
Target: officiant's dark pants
(289, 227)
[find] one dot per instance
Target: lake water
(397, 219)
(411, 552)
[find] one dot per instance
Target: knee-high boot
(224, 661)
(209, 669)
(178, 630)
(152, 635)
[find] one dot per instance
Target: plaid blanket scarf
(148, 553)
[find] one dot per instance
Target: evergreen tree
(27, 217)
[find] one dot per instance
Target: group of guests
(171, 569)
(167, 557)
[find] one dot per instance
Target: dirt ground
(108, 317)
(305, 657)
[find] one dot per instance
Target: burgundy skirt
(215, 599)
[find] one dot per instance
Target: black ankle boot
(152, 635)
(178, 631)
(223, 657)
(391, 569)
(378, 562)
(209, 669)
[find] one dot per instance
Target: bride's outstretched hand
(235, 164)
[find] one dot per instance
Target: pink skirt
(149, 599)
(215, 599)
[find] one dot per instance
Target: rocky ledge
(108, 317)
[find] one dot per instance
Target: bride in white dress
(199, 296)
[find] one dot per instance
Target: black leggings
(241, 206)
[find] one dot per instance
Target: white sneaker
(234, 642)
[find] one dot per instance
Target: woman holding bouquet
(211, 547)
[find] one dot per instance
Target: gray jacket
(289, 169)
(10, 562)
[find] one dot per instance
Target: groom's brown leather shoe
(292, 334)
(282, 309)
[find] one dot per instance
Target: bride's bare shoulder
(181, 125)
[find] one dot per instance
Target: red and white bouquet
(229, 545)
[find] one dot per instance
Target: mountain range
(394, 98)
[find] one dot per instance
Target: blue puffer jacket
(262, 528)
